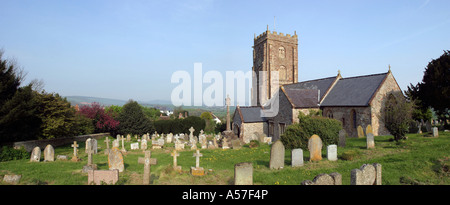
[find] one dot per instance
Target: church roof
(251, 114)
(320, 84)
(354, 91)
(302, 98)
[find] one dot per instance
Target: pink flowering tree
(103, 120)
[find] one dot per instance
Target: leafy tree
(151, 113)
(57, 116)
(397, 116)
(133, 120)
(102, 120)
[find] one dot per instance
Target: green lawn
(418, 160)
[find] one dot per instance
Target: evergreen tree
(133, 120)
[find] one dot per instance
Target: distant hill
(159, 104)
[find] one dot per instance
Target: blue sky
(129, 49)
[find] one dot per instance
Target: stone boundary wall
(29, 145)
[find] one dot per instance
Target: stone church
(354, 101)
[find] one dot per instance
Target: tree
(102, 120)
(397, 116)
(434, 90)
(18, 114)
(133, 120)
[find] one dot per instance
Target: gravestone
(169, 138)
(297, 157)
(315, 148)
(368, 174)
(267, 140)
(435, 132)
(134, 146)
(332, 152)
(225, 143)
(99, 177)
(179, 145)
(49, 153)
(90, 165)
(204, 143)
(88, 145)
(12, 178)
(123, 150)
(144, 144)
(325, 179)
(62, 157)
(360, 132)
(277, 155)
(115, 143)
(342, 138)
(197, 170)
(128, 137)
(236, 144)
(174, 154)
(115, 159)
(191, 135)
(147, 161)
(107, 145)
(94, 145)
(243, 173)
(36, 155)
(370, 141)
(369, 129)
(75, 151)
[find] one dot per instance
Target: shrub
(397, 117)
(9, 153)
(298, 134)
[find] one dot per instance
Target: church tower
(273, 52)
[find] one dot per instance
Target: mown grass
(418, 160)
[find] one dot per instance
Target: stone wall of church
(249, 130)
(305, 111)
(377, 105)
(350, 117)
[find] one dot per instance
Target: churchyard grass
(417, 160)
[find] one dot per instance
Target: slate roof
(251, 114)
(354, 91)
(319, 84)
(303, 98)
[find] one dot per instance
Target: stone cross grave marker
(297, 157)
(243, 173)
(147, 161)
(277, 155)
(36, 155)
(197, 170)
(174, 154)
(370, 141)
(49, 153)
(75, 151)
(143, 144)
(332, 152)
(360, 132)
(107, 145)
(88, 144)
(123, 150)
(90, 165)
(191, 135)
(315, 148)
(115, 159)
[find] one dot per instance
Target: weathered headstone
(94, 145)
(123, 150)
(36, 155)
(128, 137)
(332, 152)
(179, 145)
(75, 152)
(277, 155)
(368, 174)
(243, 173)
(148, 161)
(88, 145)
(144, 144)
(370, 141)
(297, 157)
(369, 129)
(342, 138)
(115, 159)
(191, 134)
(360, 132)
(175, 155)
(325, 179)
(99, 177)
(197, 170)
(49, 153)
(435, 132)
(115, 143)
(236, 144)
(315, 148)
(169, 138)
(90, 165)
(225, 143)
(62, 157)
(12, 178)
(134, 146)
